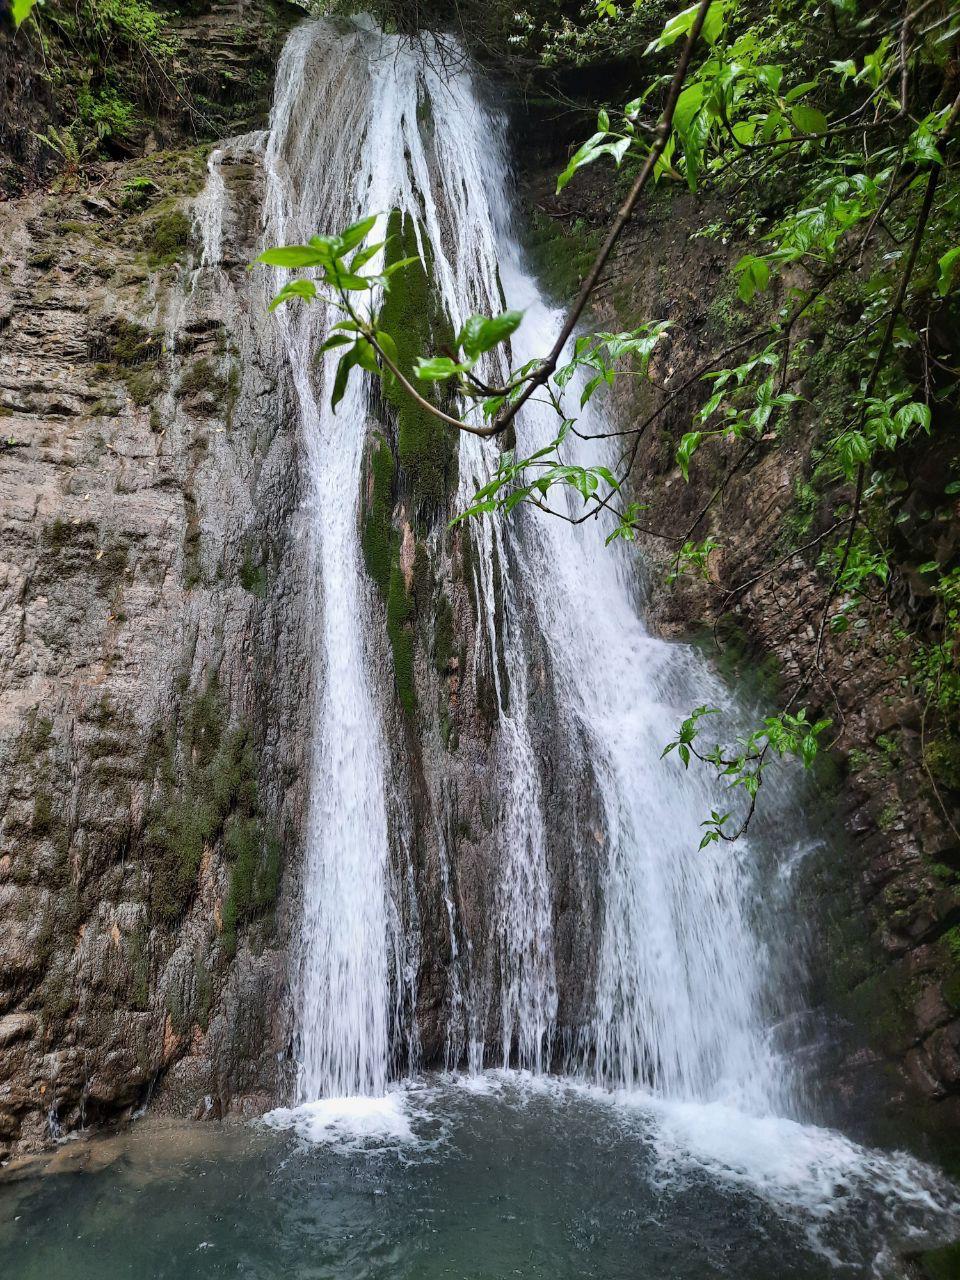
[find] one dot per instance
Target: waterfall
(364, 122)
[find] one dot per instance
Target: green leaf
(913, 414)
(680, 24)
(853, 448)
(363, 256)
(846, 69)
(584, 155)
(336, 340)
(481, 334)
(688, 104)
(949, 266)
(713, 23)
(809, 120)
(305, 289)
(437, 369)
(799, 90)
(330, 246)
(21, 10)
(400, 264)
(388, 346)
(346, 281)
(754, 276)
(590, 387)
(295, 255)
(356, 233)
(347, 362)
(685, 451)
(366, 355)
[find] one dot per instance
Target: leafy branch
(738, 115)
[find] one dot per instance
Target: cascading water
(677, 1033)
(679, 978)
(312, 164)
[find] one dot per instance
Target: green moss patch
(400, 613)
(378, 532)
(127, 343)
(219, 391)
(255, 859)
(940, 1264)
(253, 576)
(413, 315)
(217, 801)
(443, 634)
(560, 253)
(381, 552)
(130, 353)
(169, 238)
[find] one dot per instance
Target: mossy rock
(560, 253)
(443, 634)
(253, 576)
(142, 386)
(217, 801)
(42, 820)
(255, 859)
(942, 757)
(169, 238)
(37, 735)
(413, 314)
(400, 632)
(137, 193)
(215, 392)
(126, 344)
(378, 532)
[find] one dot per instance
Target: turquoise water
(499, 1179)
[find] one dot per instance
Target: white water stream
(365, 123)
(680, 971)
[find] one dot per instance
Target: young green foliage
(858, 245)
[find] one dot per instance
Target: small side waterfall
(364, 122)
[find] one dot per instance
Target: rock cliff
(151, 723)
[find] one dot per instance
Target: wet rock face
(152, 691)
(445, 757)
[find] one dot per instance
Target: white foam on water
(795, 1166)
(814, 1176)
(844, 1198)
(357, 1123)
